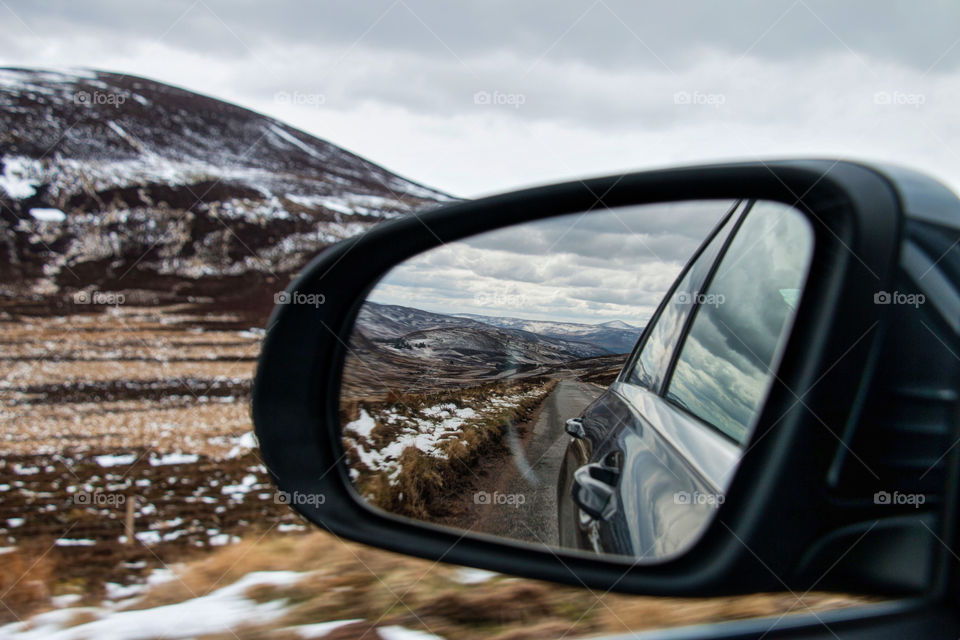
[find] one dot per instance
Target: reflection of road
(523, 488)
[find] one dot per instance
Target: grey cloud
(588, 268)
(608, 33)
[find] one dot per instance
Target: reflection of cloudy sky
(722, 373)
(595, 267)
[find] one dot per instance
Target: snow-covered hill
(409, 326)
(615, 336)
(111, 182)
(379, 321)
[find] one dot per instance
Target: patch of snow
(222, 539)
(66, 600)
(174, 458)
(469, 575)
(77, 542)
(21, 470)
(402, 633)
(246, 485)
(319, 629)
(19, 176)
(244, 443)
(218, 612)
(279, 131)
(48, 215)
(114, 460)
(147, 538)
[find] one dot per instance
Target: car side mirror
(369, 405)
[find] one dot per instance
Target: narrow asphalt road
(522, 488)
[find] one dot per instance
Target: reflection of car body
(650, 459)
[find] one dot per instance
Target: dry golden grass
(197, 428)
(152, 367)
(126, 379)
(26, 582)
(343, 580)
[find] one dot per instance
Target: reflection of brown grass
(425, 481)
(344, 580)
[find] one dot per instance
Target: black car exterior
(650, 460)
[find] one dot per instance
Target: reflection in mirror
(509, 384)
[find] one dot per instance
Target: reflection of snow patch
(363, 425)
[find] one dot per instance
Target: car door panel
(662, 500)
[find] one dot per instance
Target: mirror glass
(585, 381)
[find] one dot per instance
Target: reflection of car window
(726, 362)
(651, 365)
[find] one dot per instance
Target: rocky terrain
(113, 185)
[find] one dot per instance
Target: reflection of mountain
(397, 347)
(613, 337)
(556, 341)
(502, 350)
(393, 321)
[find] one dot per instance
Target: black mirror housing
(782, 524)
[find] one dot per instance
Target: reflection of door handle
(594, 490)
(574, 427)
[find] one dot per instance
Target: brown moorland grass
(341, 581)
(26, 581)
(344, 580)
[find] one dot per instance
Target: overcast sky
(500, 94)
(610, 264)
